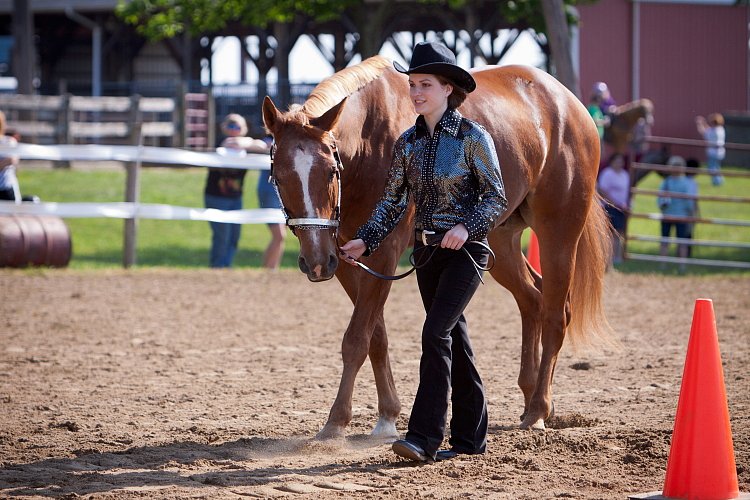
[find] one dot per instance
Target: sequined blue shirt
(453, 177)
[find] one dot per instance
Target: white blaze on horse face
(303, 166)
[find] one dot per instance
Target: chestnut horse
(624, 119)
(548, 148)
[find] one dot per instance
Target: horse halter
(307, 223)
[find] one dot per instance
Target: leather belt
(429, 238)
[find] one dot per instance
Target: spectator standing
(614, 186)
(595, 110)
(606, 101)
(638, 146)
(268, 197)
(9, 189)
(712, 131)
(224, 187)
(675, 209)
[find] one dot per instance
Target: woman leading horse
(448, 165)
(331, 167)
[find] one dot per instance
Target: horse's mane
(637, 104)
(342, 84)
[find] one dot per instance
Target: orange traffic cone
(532, 253)
(701, 458)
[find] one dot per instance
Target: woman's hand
(352, 250)
(455, 238)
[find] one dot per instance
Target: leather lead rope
(417, 265)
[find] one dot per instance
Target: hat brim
(452, 72)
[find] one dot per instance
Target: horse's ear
(270, 115)
(329, 119)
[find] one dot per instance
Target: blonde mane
(342, 84)
(644, 104)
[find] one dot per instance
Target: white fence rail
(133, 157)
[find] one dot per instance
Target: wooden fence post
(132, 195)
(63, 118)
(211, 120)
(134, 117)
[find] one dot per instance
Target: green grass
(98, 242)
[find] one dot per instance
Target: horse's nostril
(303, 265)
(333, 262)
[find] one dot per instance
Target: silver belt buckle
(424, 235)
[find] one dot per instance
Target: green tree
(159, 19)
(550, 18)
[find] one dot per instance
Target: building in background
(689, 57)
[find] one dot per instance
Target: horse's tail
(587, 322)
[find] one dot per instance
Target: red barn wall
(693, 59)
(605, 48)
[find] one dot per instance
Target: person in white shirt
(614, 186)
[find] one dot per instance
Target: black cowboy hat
(434, 58)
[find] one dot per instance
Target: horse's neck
(362, 130)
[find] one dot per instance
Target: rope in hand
(421, 263)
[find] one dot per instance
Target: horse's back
(542, 132)
(515, 99)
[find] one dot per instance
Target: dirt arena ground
(205, 384)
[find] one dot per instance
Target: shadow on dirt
(184, 464)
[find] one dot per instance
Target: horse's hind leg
(558, 261)
(513, 272)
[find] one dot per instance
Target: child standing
(676, 209)
(712, 130)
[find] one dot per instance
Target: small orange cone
(701, 458)
(532, 253)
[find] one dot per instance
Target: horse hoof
(533, 424)
(384, 429)
(538, 425)
(551, 413)
(330, 432)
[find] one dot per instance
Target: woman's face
(428, 95)
(233, 129)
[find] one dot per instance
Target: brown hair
(715, 119)
(457, 97)
(2, 122)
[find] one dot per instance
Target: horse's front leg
(389, 407)
(354, 348)
(365, 324)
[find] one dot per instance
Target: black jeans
(447, 283)
(7, 194)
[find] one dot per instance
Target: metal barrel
(34, 240)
